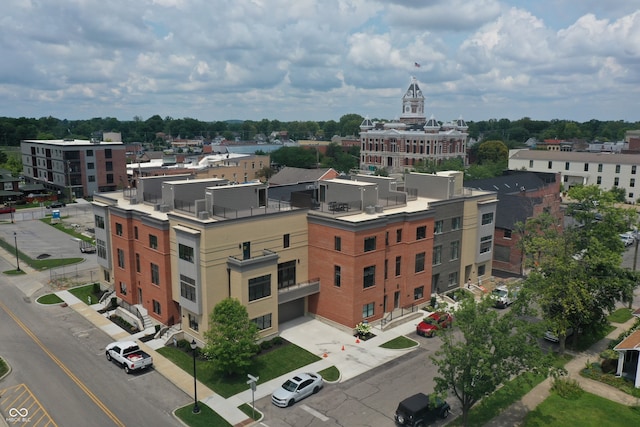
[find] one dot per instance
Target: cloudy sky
(320, 59)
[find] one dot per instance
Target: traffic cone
(357, 340)
(325, 355)
(343, 348)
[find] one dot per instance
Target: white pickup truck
(128, 355)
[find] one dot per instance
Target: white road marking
(314, 413)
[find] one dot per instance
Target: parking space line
(314, 412)
(23, 406)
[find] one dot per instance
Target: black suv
(56, 205)
(420, 409)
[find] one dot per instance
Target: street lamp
(15, 239)
(196, 408)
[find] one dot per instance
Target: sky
(317, 60)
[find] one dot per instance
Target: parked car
(7, 209)
(128, 355)
(297, 388)
(628, 238)
(553, 336)
(420, 410)
(433, 323)
(87, 247)
(56, 205)
(503, 297)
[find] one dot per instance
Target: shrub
(567, 388)
(433, 301)
(277, 340)
(96, 288)
(266, 345)
(609, 354)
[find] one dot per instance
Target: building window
(399, 235)
(109, 178)
(632, 182)
(455, 250)
(185, 252)
(453, 278)
(246, 250)
(286, 241)
(337, 243)
(599, 180)
(566, 166)
(101, 248)
(118, 229)
(90, 165)
(155, 274)
(98, 221)
(437, 255)
(586, 167)
(263, 322)
(418, 293)
(286, 274)
(156, 307)
(616, 181)
(109, 166)
(421, 232)
(89, 153)
(135, 232)
(107, 153)
(120, 258)
(617, 168)
(507, 234)
(91, 178)
(487, 218)
(481, 269)
(259, 287)
(187, 288)
(153, 241)
(369, 244)
(438, 227)
(398, 265)
(633, 169)
(367, 310)
(193, 322)
(420, 262)
(337, 273)
(369, 277)
(530, 163)
(386, 269)
(138, 263)
(599, 167)
(630, 196)
(123, 288)
(456, 223)
(485, 244)
(550, 165)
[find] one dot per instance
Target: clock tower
(413, 105)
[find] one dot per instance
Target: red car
(434, 322)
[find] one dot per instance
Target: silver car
(296, 389)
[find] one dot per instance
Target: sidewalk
(333, 346)
(514, 414)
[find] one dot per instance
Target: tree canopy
(488, 350)
(231, 338)
(575, 275)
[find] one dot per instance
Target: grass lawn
(267, 366)
(206, 418)
(586, 411)
(400, 342)
(621, 315)
(501, 399)
(83, 293)
(330, 374)
(248, 409)
(49, 299)
(3, 367)
(66, 229)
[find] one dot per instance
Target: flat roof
(71, 142)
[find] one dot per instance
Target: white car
(553, 337)
(627, 238)
(296, 389)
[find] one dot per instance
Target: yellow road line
(22, 389)
(62, 366)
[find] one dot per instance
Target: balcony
(299, 290)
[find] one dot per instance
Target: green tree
(298, 157)
(488, 351)
(231, 338)
(492, 151)
(575, 277)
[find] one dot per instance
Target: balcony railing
(298, 290)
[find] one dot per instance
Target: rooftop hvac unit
(378, 208)
(203, 215)
(370, 210)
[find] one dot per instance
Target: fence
(69, 276)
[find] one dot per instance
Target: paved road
(58, 357)
(367, 400)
